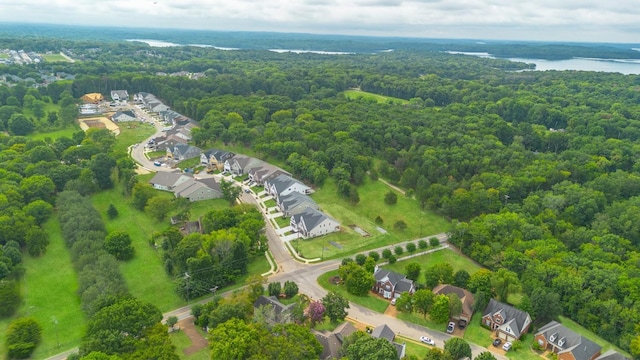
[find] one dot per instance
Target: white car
(506, 346)
(427, 341)
(451, 327)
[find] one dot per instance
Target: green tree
(273, 289)
(38, 187)
(405, 303)
(20, 125)
(141, 194)
(37, 241)
(411, 247)
(230, 191)
(357, 280)
(423, 300)
(118, 244)
(40, 210)
(458, 348)
(112, 212)
(23, 336)
(412, 271)
(290, 289)
(236, 339)
(158, 207)
(505, 282)
(455, 305)
(335, 306)
(390, 198)
(439, 312)
(461, 278)
(9, 297)
(485, 355)
(101, 165)
(172, 321)
(369, 348)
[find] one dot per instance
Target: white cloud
(570, 20)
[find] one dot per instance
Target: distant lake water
(623, 66)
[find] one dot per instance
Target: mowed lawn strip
(457, 261)
(145, 274)
(381, 99)
(49, 295)
(363, 215)
(369, 301)
(132, 133)
(66, 131)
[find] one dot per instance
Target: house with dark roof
(166, 142)
(332, 341)
(385, 332)
(215, 158)
(390, 284)
(281, 312)
(567, 344)
(465, 297)
(612, 355)
(241, 164)
(311, 223)
(508, 322)
(283, 185)
(124, 116)
(264, 171)
(196, 190)
(181, 152)
(167, 181)
(119, 95)
(295, 203)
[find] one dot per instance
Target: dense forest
(538, 171)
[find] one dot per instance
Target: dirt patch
(391, 311)
(335, 280)
(359, 230)
(198, 342)
(98, 123)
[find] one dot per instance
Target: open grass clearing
(380, 99)
(49, 295)
(4, 55)
(66, 131)
(371, 205)
(457, 261)
(369, 301)
(182, 341)
(132, 133)
(54, 58)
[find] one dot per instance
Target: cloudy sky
(556, 20)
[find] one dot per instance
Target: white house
(283, 184)
(119, 95)
(124, 116)
(311, 223)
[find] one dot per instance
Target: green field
(66, 131)
(457, 261)
(182, 341)
(54, 58)
(4, 55)
(49, 294)
(369, 301)
(419, 223)
(414, 347)
(132, 133)
(381, 99)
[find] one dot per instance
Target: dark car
(497, 342)
(462, 324)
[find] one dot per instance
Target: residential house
(240, 164)
(567, 344)
(214, 158)
(508, 322)
(282, 185)
(311, 223)
(332, 341)
(167, 181)
(119, 95)
(385, 332)
(124, 116)
(281, 312)
(465, 297)
(180, 152)
(196, 190)
(264, 171)
(295, 203)
(612, 355)
(88, 109)
(93, 98)
(166, 142)
(391, 285)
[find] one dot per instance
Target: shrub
(398, 250)
(23, 335)
(392, 259)
(374, 255)
(422, 244)
(386, 253)
(400, 225)
(434, 241)
(360, 259)
(290, 289)
(345, 261)
(411, 247)
(390, 198)
(378, 220)
(112, 212)
(274, 289)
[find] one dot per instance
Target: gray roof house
(264, 171)
(283, 185)
(215, 158)
(508, 322)
(390, 284)
(295, 203)
(612, 355)
(181, 152)
(166, 142)
(241, 164)
(281, 313)
(385, 332)
(124, 116)
(311, 223)
(196, 190)
(566, 343)
(465, 297)
(118, 95)
(168, 180)
(332, 341)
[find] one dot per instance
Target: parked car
(506, 346)
(497, 342)
(157, 163)
(427, 341)
(462, 324)
(393, 301)
(451, 327)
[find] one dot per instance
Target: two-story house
(311, 223)
(465, 297)
(283, 184)
(508, 322)
(214, 158)
(567, 344)
(390, 285)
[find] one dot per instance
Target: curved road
(306, 275)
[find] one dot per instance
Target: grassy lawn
(358, 94)
(419, 223)
(476, 334)
(591, 336)
(4, 55)
(189, 163)
(145, 273)
(156, 154)
(132, 133)
(270, 203)
(199, 208)
(419, 319)
(369, 301)
(67, 131)
(414, 347)
(457, 261)
(182, 341)
(54, 58)
(282, 221)
(49, 294)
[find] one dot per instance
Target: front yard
(370, 301)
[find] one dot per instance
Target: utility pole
(187, 276)
(55, 324)
(213, 290)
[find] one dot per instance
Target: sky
(543, 20)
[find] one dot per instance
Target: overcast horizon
(536, 20)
